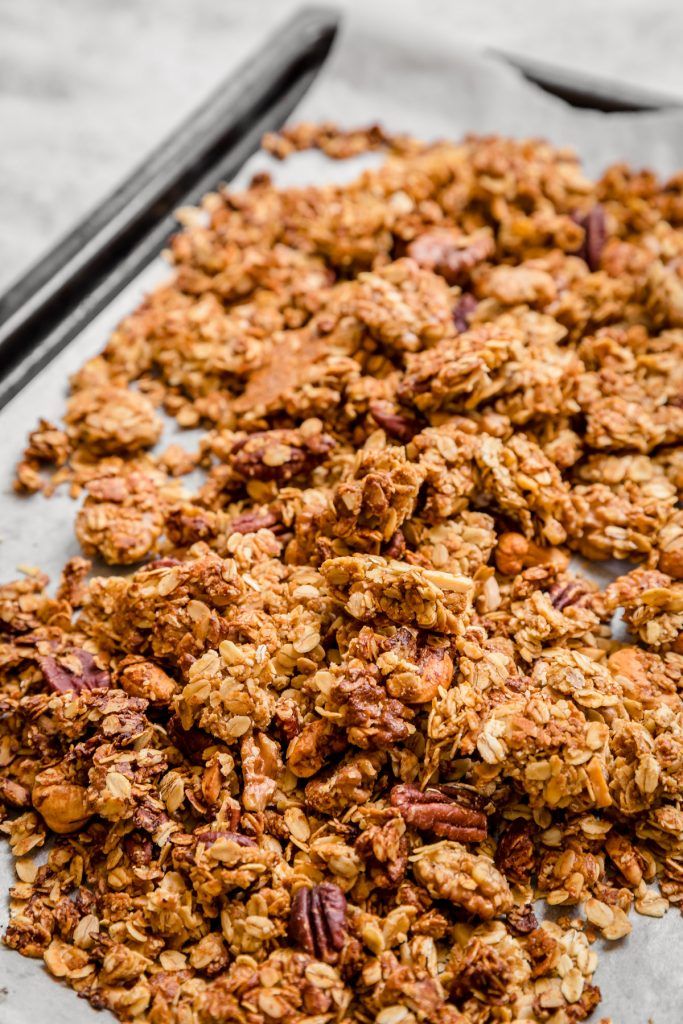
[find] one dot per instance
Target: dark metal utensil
(60, 295)
(588, 91)
(48, 307)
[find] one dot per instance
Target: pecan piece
(479, 968)
(138, 849)
(397, 424)
(438, 812)
(462, 310)
(448, 252)
(515, 851)
(563, 595)
(421, 671)
(185, 854)
(625, 857)
(142, 678)
(396, 546)
(384, 848)
(595, 236)
(251, 522)
(73, 671)
(309, 750)
(186, 524)
(317, 921)
(163, 563)
(13, 793)
(350, 782)
(373, 720)
(279, 454)
(190, 742)
(522, 920)
(210, 835)
(287, 718)
(261, 766)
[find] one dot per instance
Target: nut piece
(73, 671)
(443, 813)
(279, 454)
(141, 678)
(451, 254)
(433, 670)
(384, 849)
(515, 552)
(515, 852)
(309, 750)
(595, 236)
(395, 423)
(14, 794)
(63, 805)
(251, 522)
(448, 871)
(350, 782)
(317, 921)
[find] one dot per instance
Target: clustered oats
(318, 755)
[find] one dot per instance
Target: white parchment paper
(412, 79)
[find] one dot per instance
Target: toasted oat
(353, 710)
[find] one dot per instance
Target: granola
(351, 712)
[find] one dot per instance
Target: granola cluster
(352, 712)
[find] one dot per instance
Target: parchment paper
(412, 79)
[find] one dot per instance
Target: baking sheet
(411, 79)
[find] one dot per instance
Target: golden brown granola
(352, 712)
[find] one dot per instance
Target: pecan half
(73, 671)
(437, 811)
(317, 921)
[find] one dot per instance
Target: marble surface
(87, 87)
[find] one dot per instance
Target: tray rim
(46, 307)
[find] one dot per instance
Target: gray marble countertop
(87, 87)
